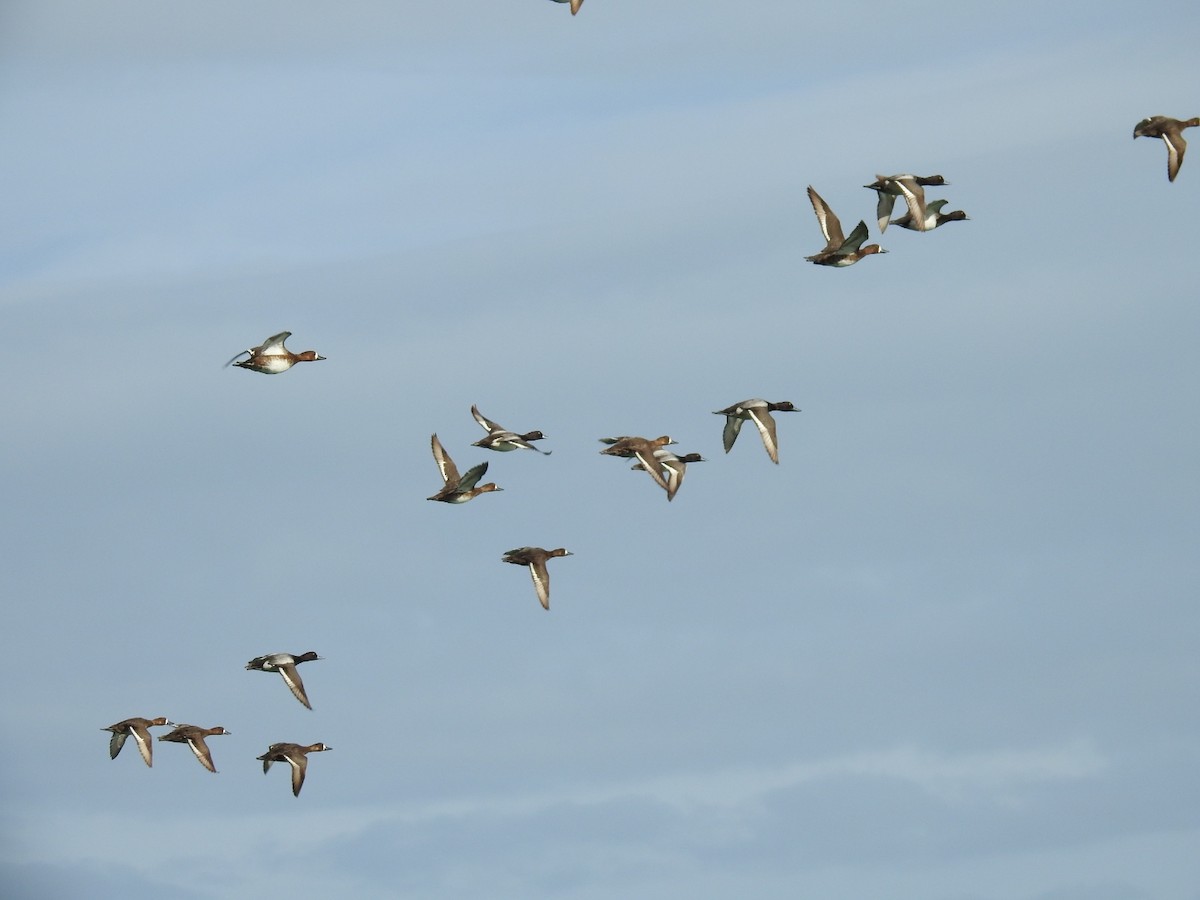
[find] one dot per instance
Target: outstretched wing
(852, 243)
(299, 763)
(766, 424)
(541, 583)
(444, 463)
(292, 679)
(831, 227)
(472, 477)
(273, 345)
(733, 427)
(914, 196)
(1176, 146)
(484, 421)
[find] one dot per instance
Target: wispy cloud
(991, 775)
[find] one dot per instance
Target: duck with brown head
(296, 756)
(458, 488)
(535, 558)
(272, 357)
(839, 250)
(139, 730)
(641, 449)
(193, 736)
(1171, 131)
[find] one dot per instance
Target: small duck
(934, 217)
(625, 451)
(575, 4)
(675, 467)
(839, 251)
(295, 755)
(756, 411)
(272, 357)
(503, 440)
(458, 488)
(535, 558)
(193, 736)
(285, 664)
(641, 449)
(139, 729)
(910, 187)
(1171, 131)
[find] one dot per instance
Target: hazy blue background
(946, 650)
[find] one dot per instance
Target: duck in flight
(458, 488)
(272, 357)
(839, 250)
(759, 412)
(1171, 131)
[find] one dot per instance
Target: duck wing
(831, 227)
(1176, 146)
(144, 744)
(444, 463)
(273, 345)
(116, 742)
(292, 679)
(733, 427)
(914, 196)
(849, 245)
(472, 477)
(763, 419)
(541, 582)
(674, 468)
(652, 465)
(484, 421)
(299, 764)
(883, 209)
(201, 752)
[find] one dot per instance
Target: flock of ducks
(270, 358)
(650, 455)
(842, 251)
(295, 755)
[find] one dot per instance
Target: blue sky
(944, 651)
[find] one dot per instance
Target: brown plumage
(295, 755)
(139, 730)
(193, 736)
(839, 250)
(458, 488)
(535, 558)
(1171, 131)
(641, 449)
(272, 357)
